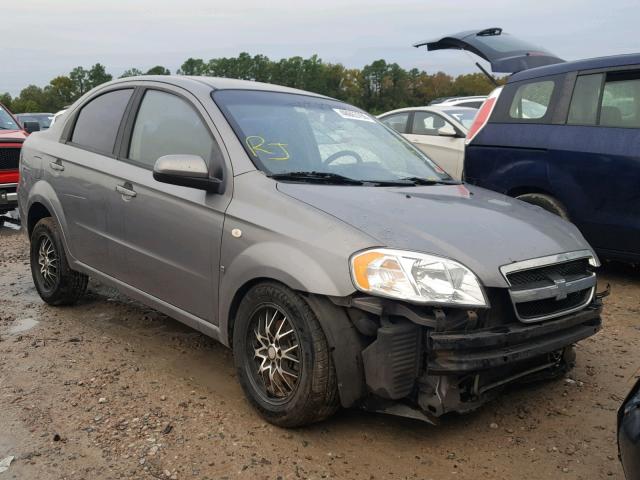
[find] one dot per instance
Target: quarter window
(531, 100)
(97, 125)
(584, 102)
(398, 122)
(166, 125)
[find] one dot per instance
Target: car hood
(12, 135)
(479, 228)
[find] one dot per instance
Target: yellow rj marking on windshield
(285, 153)
(255, 143)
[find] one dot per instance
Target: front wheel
(55, 282)
(282, 357)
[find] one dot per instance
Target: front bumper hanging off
(427, 369)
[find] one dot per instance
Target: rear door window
(620, 105)
(166, 125)
(531, 100)
(98, 122)
(585, 99)
(397, 121)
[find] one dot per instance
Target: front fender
(284, 263)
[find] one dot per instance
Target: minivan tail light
(482, 117)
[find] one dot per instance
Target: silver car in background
(341, 265)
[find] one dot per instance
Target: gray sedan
(341, 265)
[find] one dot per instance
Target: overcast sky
(45, 38)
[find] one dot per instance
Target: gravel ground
(111, 389)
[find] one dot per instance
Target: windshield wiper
(323, 177)
(429, 181)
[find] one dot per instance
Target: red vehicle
(11, 137)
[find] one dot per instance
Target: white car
(471, 102)
(439, 131)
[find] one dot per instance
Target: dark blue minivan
(562, 135)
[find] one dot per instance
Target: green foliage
(377, 87)
(132, 72)
(158, 70)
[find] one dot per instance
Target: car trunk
(505, 53)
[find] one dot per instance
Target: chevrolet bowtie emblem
(561, 287)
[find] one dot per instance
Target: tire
(58, 284)
(281, 399)
(546, 202)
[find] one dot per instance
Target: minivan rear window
(531, 100)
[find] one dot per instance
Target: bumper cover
(466, 352)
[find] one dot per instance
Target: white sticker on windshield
(353, 115)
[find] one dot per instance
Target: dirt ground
(111, 389)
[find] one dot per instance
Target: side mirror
(31, 127)
(187, 171)
(447, 131)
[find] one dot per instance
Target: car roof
(577, 65)
(216, 83)
(32, 113)
(429, 108)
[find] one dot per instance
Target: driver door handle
(57, 165)
(126, 190)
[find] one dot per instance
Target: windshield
(6, 121)
(43, 120)
(286, 133)
(464, 116)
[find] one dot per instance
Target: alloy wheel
(48, 263)
(277, 357)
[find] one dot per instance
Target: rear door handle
(57, 165)
(126, 190)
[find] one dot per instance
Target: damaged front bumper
(418, 366)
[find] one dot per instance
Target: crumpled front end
(424, 362)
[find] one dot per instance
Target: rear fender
(42, 192)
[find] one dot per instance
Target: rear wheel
(55, 282)
(283, 361)
(547, 202)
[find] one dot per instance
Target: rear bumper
(466, 352)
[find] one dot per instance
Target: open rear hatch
(505, 53)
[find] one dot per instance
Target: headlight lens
(416, 277)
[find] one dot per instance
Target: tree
(193, 66)
(6, 100)
(58, 94)
(98, 75)
(158, 70)
(132, 72)
(377, 87)
(79, 78)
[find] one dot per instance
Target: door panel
(84, 188)
(447, 152)
(172, 234)
(597, 171)
(172, 238)
(81, 172)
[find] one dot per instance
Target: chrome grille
(549, 287)
(9, 158)
(575, 268)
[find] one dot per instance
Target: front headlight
(416, 277)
